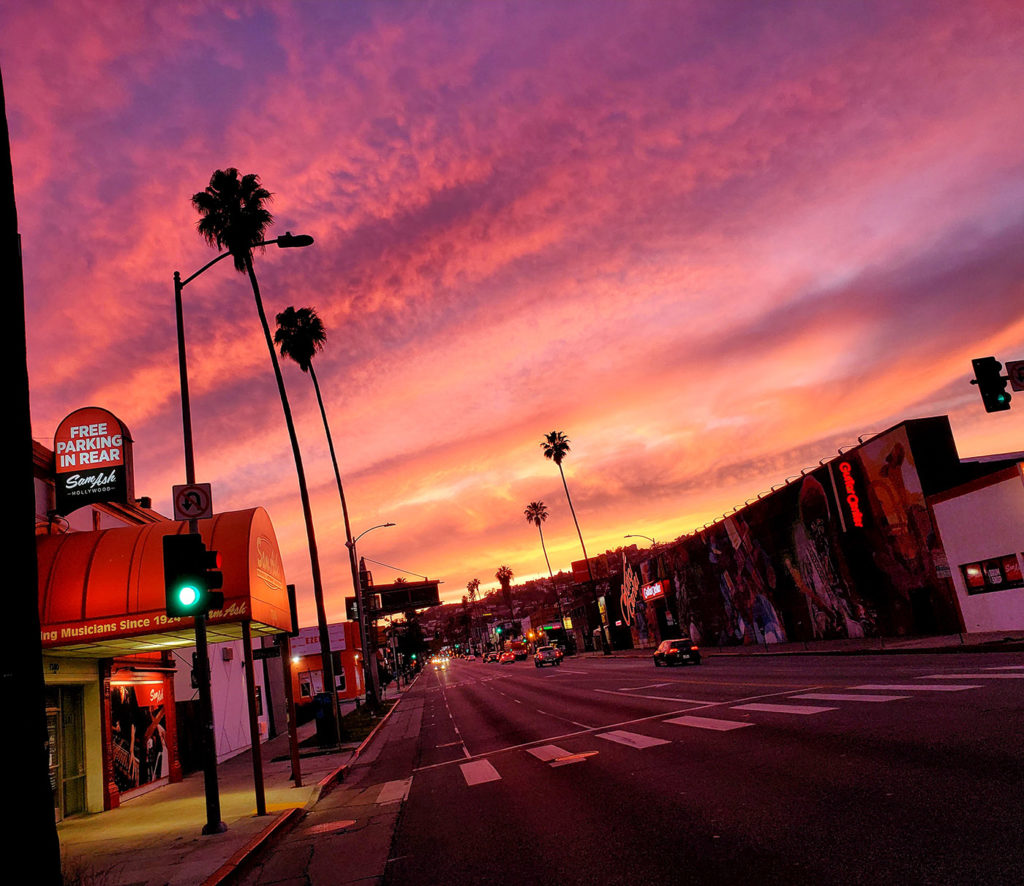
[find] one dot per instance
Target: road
(810, 769)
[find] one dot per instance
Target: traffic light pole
(208, 743)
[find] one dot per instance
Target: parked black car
(672, 652)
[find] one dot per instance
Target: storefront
(109, 647)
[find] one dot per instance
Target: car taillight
(693, 649)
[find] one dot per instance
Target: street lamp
(214, 824)
(369, 671)
(651, 540)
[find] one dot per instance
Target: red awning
(101, 594)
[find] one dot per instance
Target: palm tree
(234, 217)
(556, 447)
(300, 335)
(536, 513)
(504, 576)
(473, 589)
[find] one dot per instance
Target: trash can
(324, 719)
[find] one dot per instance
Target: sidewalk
(156, 839)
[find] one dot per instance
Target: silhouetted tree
(234, 216)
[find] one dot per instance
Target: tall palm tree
(300, 335)
(504, 576)
(536, 513)
(556, 447)
(473, 589)
(234, 217)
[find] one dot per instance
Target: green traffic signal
(991, 384)
(191, 574)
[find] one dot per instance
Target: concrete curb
(235, 865)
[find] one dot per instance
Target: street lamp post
(651, 540)
(214, 824)
(370, 681)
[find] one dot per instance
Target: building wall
(983, 523)
(228, 693)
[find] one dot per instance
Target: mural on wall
(137, 721)
(847, 551)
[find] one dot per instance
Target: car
(440, 664)
(546, 655)
(471, 657)
(490, 657)
(672, 652)
(507, 658)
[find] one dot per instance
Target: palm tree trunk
(327, 660)
(590, 572)
(369, 653)
(558, 596)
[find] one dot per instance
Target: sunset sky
(711, 242)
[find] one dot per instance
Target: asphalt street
(905, 769)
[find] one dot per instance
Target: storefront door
(65, 729)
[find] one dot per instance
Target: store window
(994, 574)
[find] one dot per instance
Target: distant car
(560, 649)
(507, 658)
(490, 657)
(672, 652)
(471, 657)
(440, 664)
(546, 655)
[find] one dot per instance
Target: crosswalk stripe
(1006, 668)
(826, 696)
(783, 708)
(478, 772)
(708, 723)
(632, 739)
(393, 791)
(973, 677)
(548, 752)
(916, 687)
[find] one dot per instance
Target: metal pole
(208, 743)
(293, 736)
(254, 724)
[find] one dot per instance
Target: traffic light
(191, 576)
(991, 383)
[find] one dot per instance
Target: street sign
(266, 652)
(1015, 372)
(193, 501)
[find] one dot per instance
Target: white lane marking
(648, 686)
(916, 687)
(588, 730)
(825, 696)
(973, 677)
(393, 791)
(478, 772)
(546, 753)
(1005, 668)
(632, 739)
(783, 708)
(708, 723)
(701, 701)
